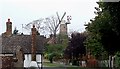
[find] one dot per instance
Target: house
(20, 50)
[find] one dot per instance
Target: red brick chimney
(8, 28)
(33, 50)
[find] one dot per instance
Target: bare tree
(49, 24)
(52, 23)
(38, 24)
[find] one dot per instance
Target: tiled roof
(9, 44)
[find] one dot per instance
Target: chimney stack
(33, 50)
(8, 28)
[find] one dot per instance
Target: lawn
(48, 64)
(56, 65)
(61, 66)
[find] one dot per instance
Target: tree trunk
(110, 61)
(54, 36)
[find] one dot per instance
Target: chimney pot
(33, 26)
(8, 19)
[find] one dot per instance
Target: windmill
(63, 25)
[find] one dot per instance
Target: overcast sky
(25, 11)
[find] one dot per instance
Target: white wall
(28, 62)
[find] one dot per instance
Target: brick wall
(7, 62)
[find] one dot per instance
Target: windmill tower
(63, 34)
(63, 26)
